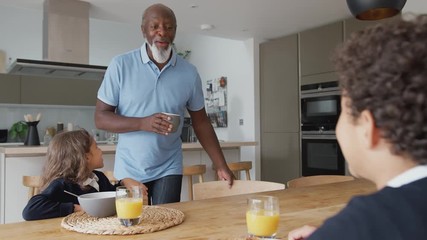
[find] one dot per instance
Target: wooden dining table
(218, 218)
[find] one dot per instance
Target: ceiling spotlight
(375, 9)
(206, 27)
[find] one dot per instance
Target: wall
(108, 39)
(214, 57)
(51, 115)
(21, 33)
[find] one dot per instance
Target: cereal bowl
(99, 204)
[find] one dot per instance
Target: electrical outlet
(241, 122)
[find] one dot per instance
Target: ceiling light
(375, 9)
(206, 27)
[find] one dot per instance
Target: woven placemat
(153, 219)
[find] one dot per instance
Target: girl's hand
(301, 233)
(77, 208)
(129, 182)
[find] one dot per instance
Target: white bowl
(99, 204)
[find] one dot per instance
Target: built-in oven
(320, 109)
(321, 154)
(320, 105)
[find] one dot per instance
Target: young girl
(71, 160)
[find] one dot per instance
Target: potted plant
(18, 131)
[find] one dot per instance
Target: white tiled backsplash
(81, 116)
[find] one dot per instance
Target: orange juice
(261, 223)
(128, 208)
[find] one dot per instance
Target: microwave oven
(320, 108)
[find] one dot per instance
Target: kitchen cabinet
(47, 91)
(280, 156)
(279, 85)
(9, 88)
(279, 109)
(316, 48)
(58, 91)
(15, 194)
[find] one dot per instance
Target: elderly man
(138, 87)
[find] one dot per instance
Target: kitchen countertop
(32, 151)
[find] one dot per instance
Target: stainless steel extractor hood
(65, 44)
(56, 69)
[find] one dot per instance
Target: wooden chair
(236, 167)
(110, 176)
(33, 183)
(216, 189)
(190, 171)
(317, 180)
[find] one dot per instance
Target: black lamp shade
(375, 9)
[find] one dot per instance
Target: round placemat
(153, 219)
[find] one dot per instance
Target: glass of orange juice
(129, 205)
(262, 216)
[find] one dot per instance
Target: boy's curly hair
(383, 69)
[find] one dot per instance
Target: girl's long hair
(66, 158)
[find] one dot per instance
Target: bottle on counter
(69, 127)
(47, 138)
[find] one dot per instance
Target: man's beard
(160, 55)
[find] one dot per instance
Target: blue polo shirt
(137, 88)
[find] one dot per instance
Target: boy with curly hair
(382, 131)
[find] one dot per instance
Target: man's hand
(226, 175)
(158, 123)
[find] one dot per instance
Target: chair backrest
(317, 180)
(110, 176)
(216, 189)
(33, 183)
(236, 167)
(190, 171)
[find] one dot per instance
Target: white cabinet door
(16, 194)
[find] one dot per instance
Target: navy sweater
(54, 202)
(389, 214)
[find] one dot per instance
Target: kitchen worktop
(19, 160)
(23, 151)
